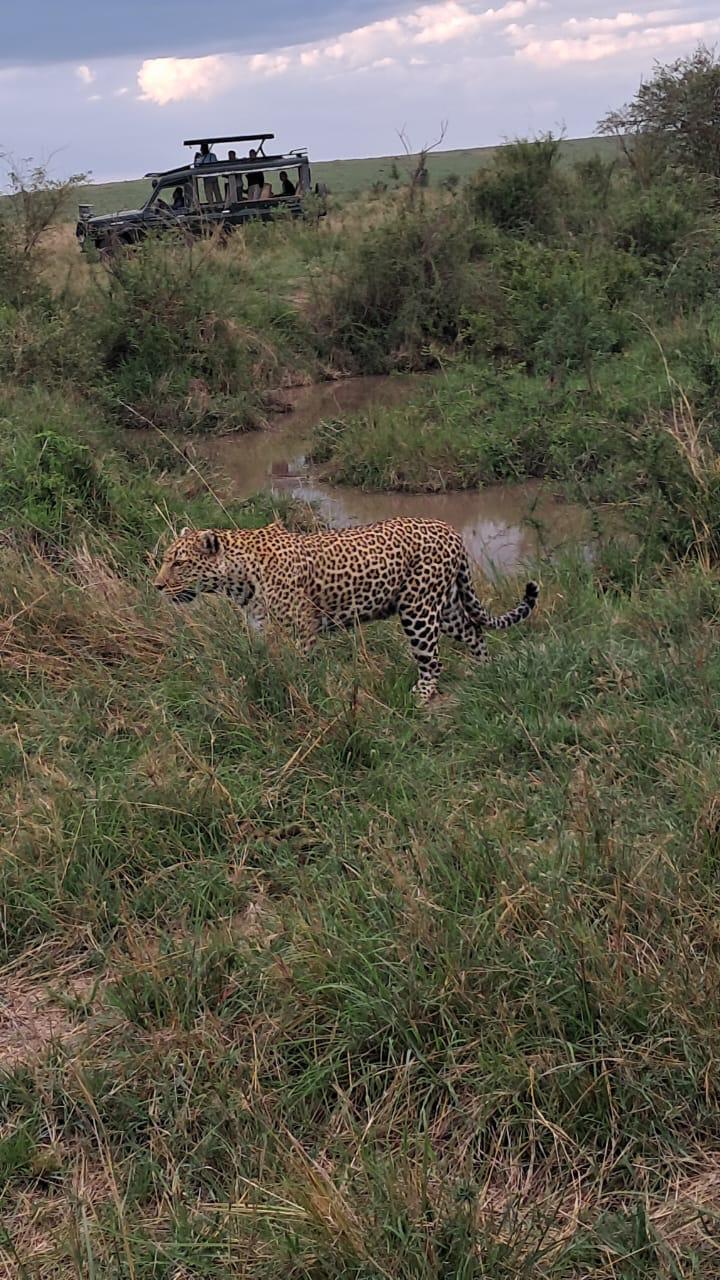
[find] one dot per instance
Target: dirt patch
(36, 1013)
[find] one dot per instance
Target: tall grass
(341, 987)
(296, 978)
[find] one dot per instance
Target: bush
(557, 308)
(50, 486)
(523, 190)
(477, 426)
(403, 293)
(655, 221)
(59, 480)
(44, 340)
(635, 438)
(188, 341)
(34, 203)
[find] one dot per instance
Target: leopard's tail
(479, 615)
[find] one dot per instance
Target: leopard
(318, 582)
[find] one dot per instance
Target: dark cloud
(79, 30)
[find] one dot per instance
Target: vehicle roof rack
(262, 138)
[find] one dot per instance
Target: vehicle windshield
(173, 194)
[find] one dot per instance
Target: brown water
(503, 526)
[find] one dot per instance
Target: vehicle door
(211, 206)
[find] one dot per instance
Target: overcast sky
(113, 88)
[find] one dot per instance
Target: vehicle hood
(107, 219)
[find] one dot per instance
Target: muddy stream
(504, 526)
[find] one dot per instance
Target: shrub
(405, 290)
(188, 341)
(34, 203)
(58, 478)
(523, 190)
(50, 484)
(654, 221)
(557, 308)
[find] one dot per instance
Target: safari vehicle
(203, 196)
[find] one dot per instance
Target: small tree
(673, 118)
(418, 175)
(35, 199)
(33, 203)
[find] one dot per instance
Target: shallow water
(503, 526)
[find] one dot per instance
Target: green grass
(346, 177)
(474, 425)
(356, 989)
(301, 979)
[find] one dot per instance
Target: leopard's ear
(210, 542)
(184, 531)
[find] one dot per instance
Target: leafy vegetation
(296, 978)
(582, 338)
(673, 118)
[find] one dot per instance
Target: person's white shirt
(210, 158)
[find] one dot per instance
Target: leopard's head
(192, 564)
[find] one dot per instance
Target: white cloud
(85, 74)
(436, 30)
(355, 47)
(269, 64)
(553, 53)
(95, 97)
(163, 80)
(439, 23)
(621, 21)
(385, 43)
(120, 93)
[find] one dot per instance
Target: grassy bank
(300, 979)
(306, 981)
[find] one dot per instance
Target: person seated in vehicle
(288, 187)
(255, 180)
(178, 200)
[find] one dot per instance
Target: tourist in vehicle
(178, 200)
(212, 186)
(255, 181)
(288, 187)
(204, 155)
